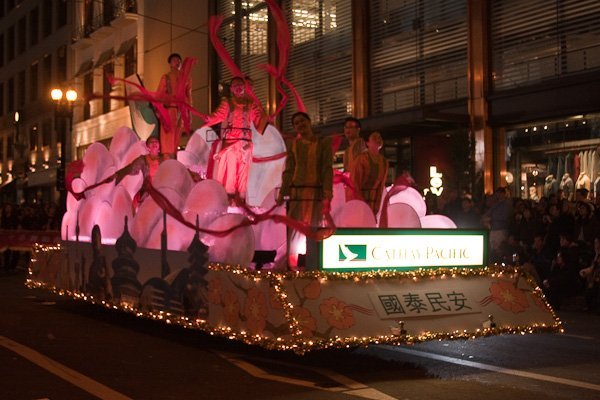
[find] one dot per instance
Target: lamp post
(17, 142)
(19, 162)
(63, 102)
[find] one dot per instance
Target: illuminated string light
(299, 344)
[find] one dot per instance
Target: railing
(112, 10)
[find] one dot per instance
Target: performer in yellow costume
(308, 176)
(356, 144)
(307, 181)
(370, 172)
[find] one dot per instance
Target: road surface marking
(578, 336)
(350, 386)
(493, 368)
(73, 377)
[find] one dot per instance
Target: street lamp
(17, 138)
(63, 102)
(18, 143)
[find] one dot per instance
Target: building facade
(454, 84)
(34, 46)
(490, 93)
(124, 38)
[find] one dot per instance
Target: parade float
(187, 255)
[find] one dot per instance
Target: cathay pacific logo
(352, 252)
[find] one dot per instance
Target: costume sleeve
(381, 187)
(219, 115)
(288, 172)
(259, 118)
(386, 168)
(162, 85)
(188, 92)
(326, 163)
(359, 174)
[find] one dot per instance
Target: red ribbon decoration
(269, 158)
(340, 177)
(214, 23)
(252, 219)
(74, 170)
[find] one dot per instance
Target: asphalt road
(56, 348)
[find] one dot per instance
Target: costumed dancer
(356, 145)
(307, 181)
(148, 164)
(172, 84)
(370, 172)
(236, 113)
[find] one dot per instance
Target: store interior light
(535, 128)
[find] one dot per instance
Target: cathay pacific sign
(353, 252)
(368, 249)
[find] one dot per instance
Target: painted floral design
(255, 311)
(231, 308)
(214, 291)
(305, 320)
(508, 297)
(337, 313)
(312, 290)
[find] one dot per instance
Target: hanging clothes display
(569, 164)
(583, 181)
(560, 168)
(594, 165)
(577, 158)
(552, 164)
(550, 185)
(567, 186)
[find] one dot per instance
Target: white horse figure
(268, 163)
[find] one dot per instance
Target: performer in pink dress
(236, 114)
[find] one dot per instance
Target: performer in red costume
(236, 113)
(171, 84)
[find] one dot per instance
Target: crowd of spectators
(33, 217)
(555, 239)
